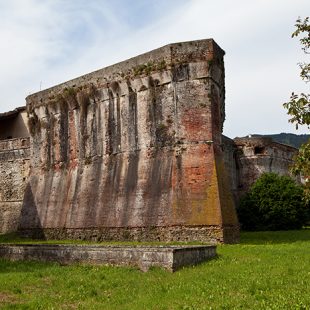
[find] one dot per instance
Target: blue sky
(44, 43)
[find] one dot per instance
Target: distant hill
(288, 138)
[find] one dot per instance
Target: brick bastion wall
(133, 151)
(14, 169)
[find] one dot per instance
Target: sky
(44, 43)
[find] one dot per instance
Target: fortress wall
(14, 169)
(257, 155)
(133, 151)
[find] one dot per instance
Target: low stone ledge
(143, 257)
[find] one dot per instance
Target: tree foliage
(298, 108)
(299, 105)
(273, 203)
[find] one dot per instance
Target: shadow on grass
(12, 238)
(25, 266)
(275, 237)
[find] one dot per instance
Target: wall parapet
(157, 60)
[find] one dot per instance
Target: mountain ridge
(287, 138)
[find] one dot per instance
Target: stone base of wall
(9, 216)
(168, 257)
(212, 234)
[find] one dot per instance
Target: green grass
(267, 270)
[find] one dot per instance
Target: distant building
(13, 124)
(249, 157)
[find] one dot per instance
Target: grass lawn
(267, 270)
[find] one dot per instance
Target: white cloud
(48, 42)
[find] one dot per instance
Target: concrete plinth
(143, 257)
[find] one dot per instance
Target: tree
(298, 108)
(273, 203)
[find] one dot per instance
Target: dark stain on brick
(49, 140)
(94, 136)
(29, 218)
(180, 72)
(130, 187)
(64, 134)
(75, 203)
(155, 114)
(84, 102)
(111, 188)
(46, 189)
(132, 120)
(89, 201)
(157, 187)
(114, 124)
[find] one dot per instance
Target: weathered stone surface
(168, 257)
(14, 170)
(133, 146)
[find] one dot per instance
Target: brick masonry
(14, 170)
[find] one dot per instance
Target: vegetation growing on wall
(149, 67)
